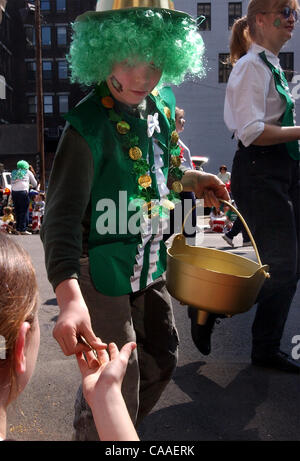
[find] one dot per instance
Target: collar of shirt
(271, 57)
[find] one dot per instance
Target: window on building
(45, 5)
(47, 70)
(31, 104)
(31, 70)
(63, 103)
(30, 36)
(46, 35)
(62, 70)
(287, 64)
(52, 132)
(224, 67)
(48, 104)
(60, 5)
(204, 9)
(234, 12)
(61, 32)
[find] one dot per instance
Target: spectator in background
(223, 174)
(7, 221)
(217, 220)
(21, 179)
(38, 212)
(188, 199)
(32, 198)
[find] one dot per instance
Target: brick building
(20, 64)
(6, 63)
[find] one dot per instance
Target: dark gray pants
(145, 317)
(265, 186)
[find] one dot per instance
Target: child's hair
(171, 42)
(7, 210)
(244, 30)
(42, 195)
(18, 300)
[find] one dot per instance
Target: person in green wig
(21, 180)
(115, 177)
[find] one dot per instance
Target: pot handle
(241, 218)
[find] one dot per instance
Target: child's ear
(20, 357)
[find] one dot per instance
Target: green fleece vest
(113, 254)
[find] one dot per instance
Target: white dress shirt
(251, 97)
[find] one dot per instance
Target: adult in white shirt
(265, 172)
(21, 179)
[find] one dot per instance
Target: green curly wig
(171, 42)
(23, 165)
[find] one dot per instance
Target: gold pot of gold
(212, 280)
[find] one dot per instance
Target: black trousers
(21, 204)
(265, 186)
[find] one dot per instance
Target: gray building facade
(203, 100)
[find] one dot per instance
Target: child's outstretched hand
(108, 371)
(101, 385)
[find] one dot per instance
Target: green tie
(282, 87)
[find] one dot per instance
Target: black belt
(262, 149)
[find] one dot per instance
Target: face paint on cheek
(277, 22)
(116, 84)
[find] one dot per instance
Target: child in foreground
(104, 257)
(19, 345)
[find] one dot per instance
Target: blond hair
(179, 112)
(244, 30)
(18, 301)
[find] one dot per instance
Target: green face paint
(277, 22)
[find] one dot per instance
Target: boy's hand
(206, 186)
(74, 320)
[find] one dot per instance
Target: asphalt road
(219, 397)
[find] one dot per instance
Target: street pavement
(220, 397)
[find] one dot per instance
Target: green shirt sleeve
(67, 200)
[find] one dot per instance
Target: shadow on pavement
(214, 412)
